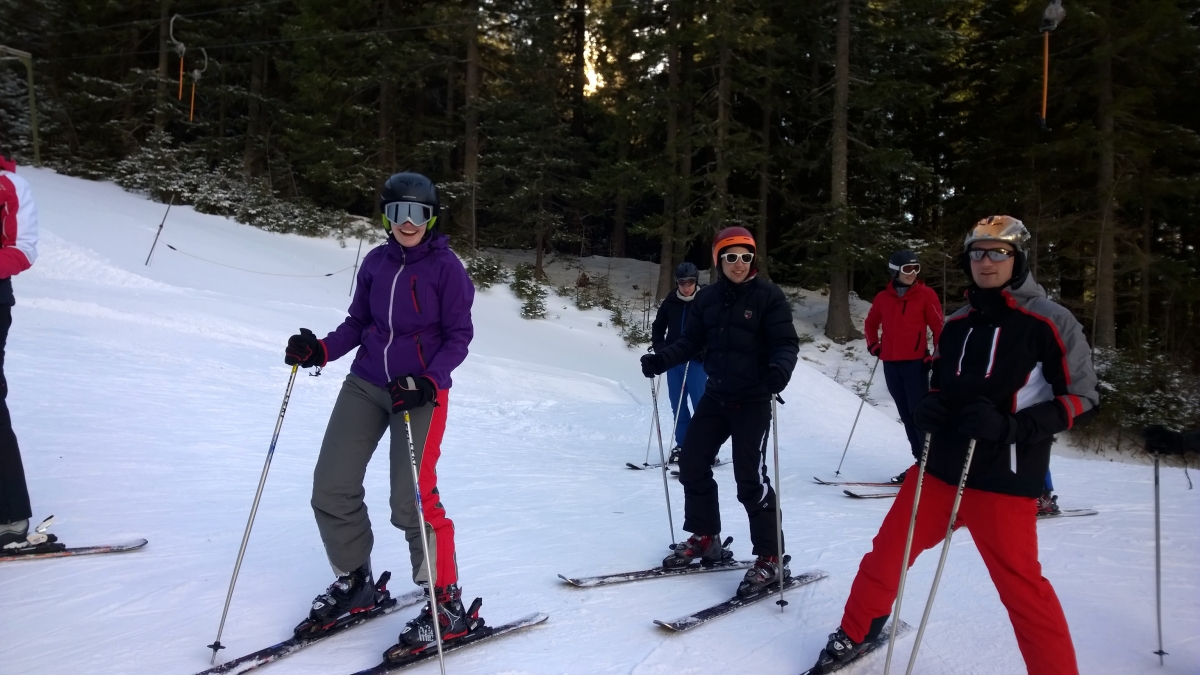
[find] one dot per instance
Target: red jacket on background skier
(904, 320)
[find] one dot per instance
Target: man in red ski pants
(1012, 369)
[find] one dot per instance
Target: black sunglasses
(993, 254)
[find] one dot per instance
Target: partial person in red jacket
(905, 310)
(18, 250)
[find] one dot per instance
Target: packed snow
(144, 398)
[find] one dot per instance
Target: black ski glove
(876, 349)
(983, 421)
(304, 349)
(776, 378)
(410, 392)
(930, 414)
(653, 364)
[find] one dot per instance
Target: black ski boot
(1047, 504)
(707, 547)
(898, 479)
(350, 594)
(673, 456)
(764, 573)
(841, 650)
(454, 620)
(14, 533)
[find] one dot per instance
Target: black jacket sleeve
(658, 329)
(782, 341)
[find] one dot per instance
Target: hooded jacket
(411, 313)
(742, 329)
(904, 320)
(672, 316)
(1027, 355)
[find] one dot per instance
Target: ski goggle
(912, 268)
(993, 254)
(398, 212)
(686, 281)
(732, 258)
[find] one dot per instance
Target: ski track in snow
(144, 400)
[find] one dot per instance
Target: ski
(644, 466)
(880, 642)
(480, 635)
(1069, 513)
(56, 549)
(854, 483)
(655, 573)
(869, 495)
(294, 644)
(735, 603)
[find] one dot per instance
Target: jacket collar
(891, 287)
(435, 241)
(992, 300)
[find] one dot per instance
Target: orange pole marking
(1045, 70)
(181, 79)
(192, 112)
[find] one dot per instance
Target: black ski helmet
(408, 186)
(900, 259)
(686, 270)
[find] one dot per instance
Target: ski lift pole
(1051, 17)
(855, 425)
(181, 50)
(196, 74)
(27, 59)
(160, 228)
(262, 481)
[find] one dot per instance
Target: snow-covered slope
(144, 399)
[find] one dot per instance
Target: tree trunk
(578, 66)
(764, 180)
(838, 326)
(616, 243)
(1105, 327)
(387, 145)
(448, 157)
(722, 149)
(1147, 234)
(471, 119)
(160, 94)
(666, 263)
(252, 155)
(683, 203)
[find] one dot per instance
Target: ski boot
(673, 457)
(764, 573)
(707, 547)
(13, 533)
(898, 479)
(841, 649)
(1047, 504)
(454, 620)
(352, 593)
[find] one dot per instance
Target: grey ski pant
(360, 416)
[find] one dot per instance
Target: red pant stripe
(443, 528)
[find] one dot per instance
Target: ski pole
(860, 407)
(912, 523)
(778, 510)
(682, 397)
(650, 438)
(1157, 564)
(262, 481)
(662, 458)
(433, 603)
(937, 576)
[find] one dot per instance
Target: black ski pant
(748, 424)
(908, 383)
(14, 495)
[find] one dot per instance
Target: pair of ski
(41, 544)
(674, 472)
(388, 605)
(695, 619)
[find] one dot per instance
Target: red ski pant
(1004, 528)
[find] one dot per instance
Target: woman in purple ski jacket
(411, 322)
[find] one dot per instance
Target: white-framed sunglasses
(732, 258)
(417, 214)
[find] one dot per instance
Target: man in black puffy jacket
(743, 325)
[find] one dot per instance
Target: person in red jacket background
(905, 309)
